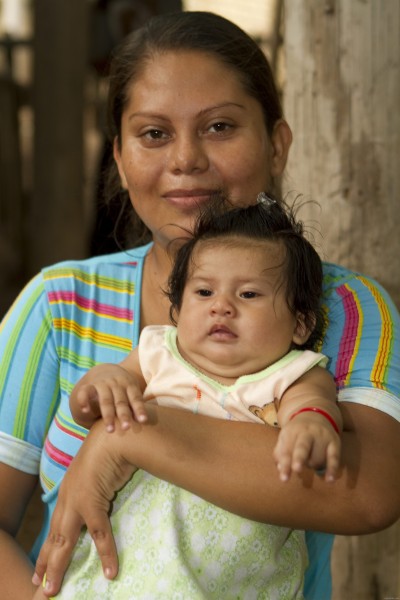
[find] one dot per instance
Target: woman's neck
(155, 303)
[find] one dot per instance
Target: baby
(245, 293)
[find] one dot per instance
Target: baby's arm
(109, 391)
(311, 423)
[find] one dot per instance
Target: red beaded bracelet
(320, 411)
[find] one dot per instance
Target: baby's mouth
(222, 331)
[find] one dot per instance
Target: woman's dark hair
(186, 31)
(268, 220)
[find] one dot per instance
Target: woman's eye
(154, 135)
(220, 127)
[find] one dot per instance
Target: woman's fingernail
(36, 579)
(107, 573)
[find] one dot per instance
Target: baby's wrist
(323, 413)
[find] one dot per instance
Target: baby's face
(234, 318)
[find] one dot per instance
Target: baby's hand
(308, 440)
(111, 392)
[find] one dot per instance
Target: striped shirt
(75, 315)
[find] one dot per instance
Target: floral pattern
(173, 545)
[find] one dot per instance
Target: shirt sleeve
(29, 378)
(362, 337)
(379, 399)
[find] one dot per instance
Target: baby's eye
(204, 292)
(248, 295)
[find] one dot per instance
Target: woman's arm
(217, 460)
(16, 569)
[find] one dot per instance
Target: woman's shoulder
(105, 271)
(339, 281)
(335, 275)
(124, 259)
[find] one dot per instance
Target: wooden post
(56, 218)
(342, 98)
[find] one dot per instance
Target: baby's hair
(267, 220)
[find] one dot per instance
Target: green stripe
(15, 336)
(66, 385)
(84, 362)
(122, 285)
(30, 376)
(54, 403)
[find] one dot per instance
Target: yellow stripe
(98, 337)
(379, 369)
(104, 283)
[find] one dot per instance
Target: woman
(193, 110)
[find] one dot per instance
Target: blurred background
(337, 63)
(53, 67)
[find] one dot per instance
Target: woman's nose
(188, 155)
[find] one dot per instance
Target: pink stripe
(93, 305)
(57, 455)
(349, 335)
(71, 432)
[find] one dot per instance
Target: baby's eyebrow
(201, 279)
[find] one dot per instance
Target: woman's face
(190, 129)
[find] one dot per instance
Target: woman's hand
(96, 473)
(39, 594)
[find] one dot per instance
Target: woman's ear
(301, 332)
(118, 160)
(281, 140)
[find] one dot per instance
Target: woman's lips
(188, 198)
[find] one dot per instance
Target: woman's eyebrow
(156, 115)
(148, 114)
(220, 105)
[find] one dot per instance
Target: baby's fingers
(291, 454)
(136, 403)
(102, 395)
(332, 460)
(122, 407)
(301, 452)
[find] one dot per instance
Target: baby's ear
(301, 332)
